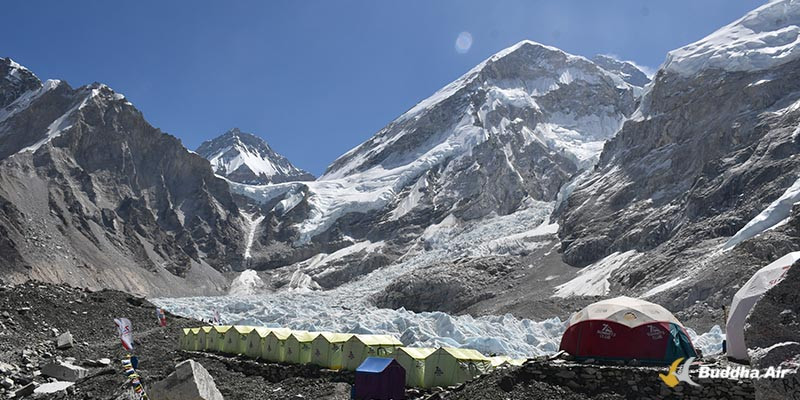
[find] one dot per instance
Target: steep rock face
(92, 195)
(245, 158)
(709, 155)
(706, 155)
(511, 131)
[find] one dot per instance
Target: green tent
(203, 337)
(191, 340)
(274, 347)
(236, 339)
(327, 349)
(183, 343)
(298, 347)
(413, 361)
(215, 341)
(254, 342)
(359, 347)
(450, 366)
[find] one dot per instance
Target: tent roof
(195, 330)
(463, 354)
(243, 329)
(303, 336)
(625, 310)
(280, 334)
(376, 340)
(374, 364)
(222, 328)
(186, 331)
(766, 277)
(417, 353)
(207, 329)
(260, 331)
(333, 337)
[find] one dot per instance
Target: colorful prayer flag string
(133, 377)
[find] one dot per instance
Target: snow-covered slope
(246, 158)
(766, 37)
(510, 131)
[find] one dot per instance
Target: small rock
(26, 390)
(64, 341)
(7, 383)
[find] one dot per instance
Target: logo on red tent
(606, 332)
(654, 333)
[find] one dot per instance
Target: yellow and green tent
(203, 338)
(298, 347)
(216, 338)
(254, 341)
(451, 366)
(191, 340)
(412, 359)
(359, 347)
(327, 349)
(236, 339)
(274, 347)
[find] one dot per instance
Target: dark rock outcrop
(92, 195)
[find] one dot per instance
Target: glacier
(347, 308)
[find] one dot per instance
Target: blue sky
(316, 78)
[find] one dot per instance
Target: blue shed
(380, 378)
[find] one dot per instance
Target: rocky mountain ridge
(92, 195)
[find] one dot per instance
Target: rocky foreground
(35, 319)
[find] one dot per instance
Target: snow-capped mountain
(627, 70)
(505, 136)
(92, 195)
(246, 158)
(700, 183)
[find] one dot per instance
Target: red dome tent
(624, 328)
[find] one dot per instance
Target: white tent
(747, 297)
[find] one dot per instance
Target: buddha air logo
(606, 332)
(674, 377)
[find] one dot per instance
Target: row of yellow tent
(425, 367)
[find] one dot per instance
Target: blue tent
(380, 379)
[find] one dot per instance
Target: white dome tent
(749, 294)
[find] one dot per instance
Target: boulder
(190, 381)
(26, 390)
(64, 341)
(64, 371)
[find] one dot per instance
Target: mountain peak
(246, 158)
(15, 80)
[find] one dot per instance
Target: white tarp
(746, 298)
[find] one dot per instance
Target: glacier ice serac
(324, 311)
